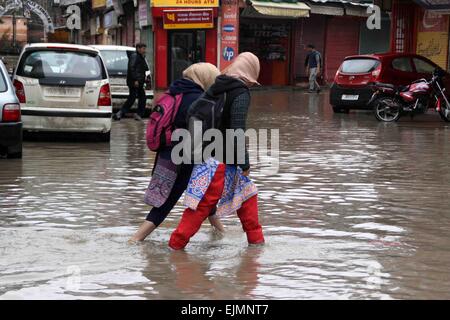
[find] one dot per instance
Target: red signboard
(229, 42)
(188, 19)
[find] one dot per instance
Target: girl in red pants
(225, 186)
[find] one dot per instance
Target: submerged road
(359, 209)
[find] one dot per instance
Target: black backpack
(207, 110)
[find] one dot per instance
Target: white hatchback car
(63, 87)
(116, 61)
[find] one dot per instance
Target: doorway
(186, 47)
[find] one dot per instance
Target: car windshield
(359, 65)
(2, 82)
(61, 64)
(116, 61)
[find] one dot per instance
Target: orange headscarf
(245, 67)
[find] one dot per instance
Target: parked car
(10, 122)
(116, 61)
(65, 88)
(352, 84)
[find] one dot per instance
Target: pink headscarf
(245, 67)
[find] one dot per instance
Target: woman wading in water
(166, 175)
(225, 185)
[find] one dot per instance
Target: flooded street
(358, 210)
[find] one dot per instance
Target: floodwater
(358, 210)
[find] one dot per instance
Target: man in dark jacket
(137, 67)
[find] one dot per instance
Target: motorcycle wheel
(386, 110)
(444, 115)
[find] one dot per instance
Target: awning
(271, 9)
(326, 10)
(434, 4)
(339, 7)
(356, 11)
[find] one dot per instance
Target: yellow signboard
(432, 37)
(98, 4)
(185, 3)
(188, 19)
(434, 46)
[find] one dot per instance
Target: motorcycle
(390, 102)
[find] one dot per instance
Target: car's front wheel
(340, 109)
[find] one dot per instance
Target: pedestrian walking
(313, 65)
(168, 180)
(225, 185)
(136, 74)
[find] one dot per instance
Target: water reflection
(358, 209)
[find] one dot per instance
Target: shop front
(268, 30)
(422, 28)
(433, 36)
(185, 32)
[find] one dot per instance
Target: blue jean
(312, 78)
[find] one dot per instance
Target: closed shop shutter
(309, 31)
(377, 40)
(342, 40)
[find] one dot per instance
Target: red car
(351, 88)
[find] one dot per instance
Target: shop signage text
(432, 37)
(143, 13)
(98, 4)
(188, 19)
(42, 14)
(185, 3)
(229, 44)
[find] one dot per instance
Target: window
(116, 61)
(423, 67)
(61, 64)
(359, 65)
(2, 82)
(402, 64)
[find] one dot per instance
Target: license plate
(63, 92)
(350, 97)
(119, 89)
(118, 81)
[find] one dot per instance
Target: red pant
(191, 220)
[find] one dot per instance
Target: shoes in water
(137, 117)
(117, 116)
(257, 245)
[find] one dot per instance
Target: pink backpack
(160, 125)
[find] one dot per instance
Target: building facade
(422, 28)
(181, 32)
